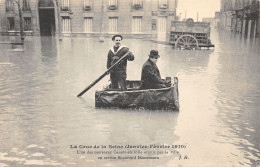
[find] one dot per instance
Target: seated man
(151, 78)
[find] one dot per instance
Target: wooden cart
(190, 35)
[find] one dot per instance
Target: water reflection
(48, 49)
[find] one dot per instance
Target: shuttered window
(65, 5)
(88, 23)
(26, 5)
(163, 4)
(87, 4)
(66, 27)
(112, 24)
(137, 2)
(112, 2)
(9, 5)
(153, 24)
(161, 24)
(10, 23)
(27, 24)
(137, 24)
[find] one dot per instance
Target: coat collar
(120, 47)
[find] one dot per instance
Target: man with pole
(118, 73)
(116, 65)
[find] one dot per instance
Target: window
(10, 23)
(163, 4)
(65, 5)
(87, 4)
(153, 24)
(26, 6)
(137, 24)
(9, 5)
(112, 24)
(138, 4)
(112, 4)
(27, 24)
(88, 23)
(66, 24)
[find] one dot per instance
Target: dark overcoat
(113, 57)
(150, 75)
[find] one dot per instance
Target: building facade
(214, 21)
(241, 16)
(88, 17)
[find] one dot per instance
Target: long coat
(150, 75)
(113, 57)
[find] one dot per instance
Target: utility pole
(197, 16)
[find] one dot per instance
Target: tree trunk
(21, 19)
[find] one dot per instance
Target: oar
(102, 76)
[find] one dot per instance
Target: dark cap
(154, 54)
(113, 38)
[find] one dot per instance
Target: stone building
(241, 16)
(88, 17)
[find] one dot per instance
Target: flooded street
(41, 119)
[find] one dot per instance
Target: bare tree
(21, 19)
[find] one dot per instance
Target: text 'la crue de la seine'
(127, 146)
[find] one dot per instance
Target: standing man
(118, 73)
(151, 78)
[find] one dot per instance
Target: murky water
(42, 120)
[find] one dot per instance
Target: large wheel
(186, 42)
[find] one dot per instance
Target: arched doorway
(46, 17)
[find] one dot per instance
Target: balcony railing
(87, 7)
(112, 7)
(9, 8)
(163, 6)
(137, 6)
(65, 8)
(26, 8)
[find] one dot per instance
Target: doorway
(46, 17)
(162, 23)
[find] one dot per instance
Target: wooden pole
(102, 76)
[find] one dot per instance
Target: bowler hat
(113, 38)
(154, 54)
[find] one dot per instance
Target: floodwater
(43, 123)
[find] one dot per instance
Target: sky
(204, 8)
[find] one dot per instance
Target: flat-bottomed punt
(133, 97)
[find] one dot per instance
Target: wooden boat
(133, 97)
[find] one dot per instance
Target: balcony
(163, 6)
(87, 8)
(26, 8)
(9, 9)
(137, 6)
(65, 8)
(112, 7)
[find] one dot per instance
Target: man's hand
(168, 83)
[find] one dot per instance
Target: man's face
(117, 41)
(154, 59)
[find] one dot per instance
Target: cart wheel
(186, 42)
